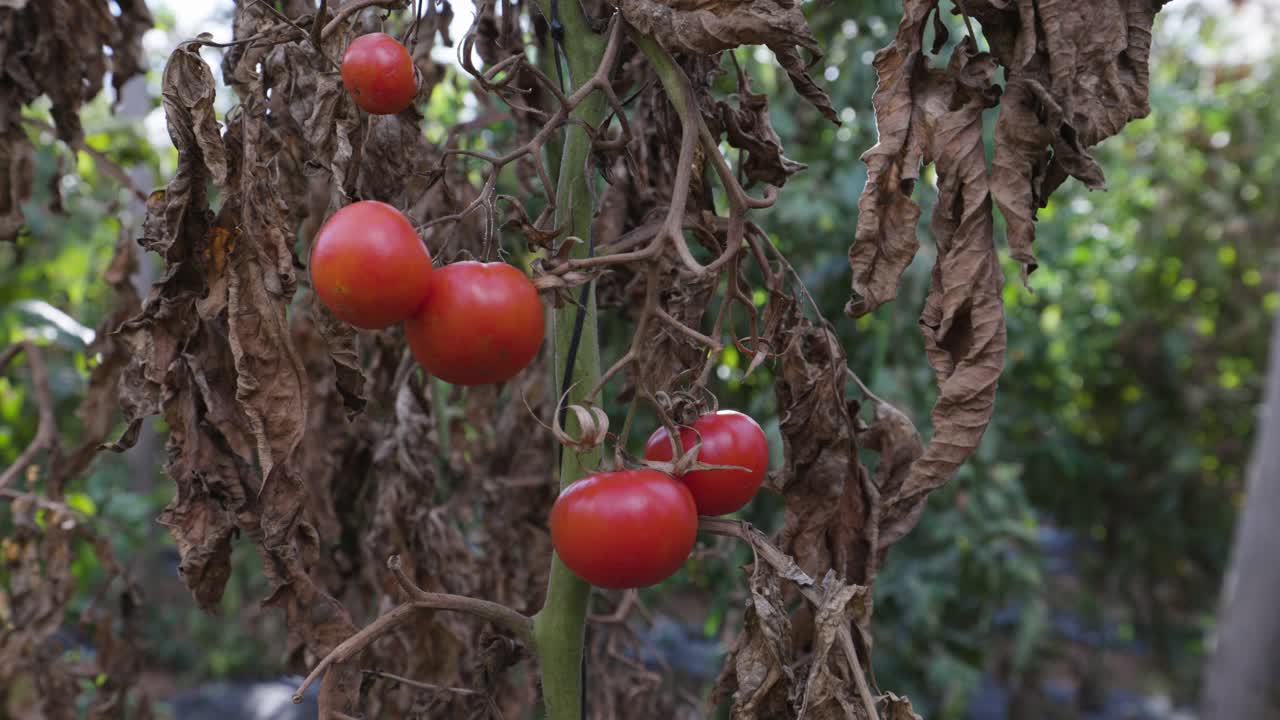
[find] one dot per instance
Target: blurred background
(1072, 569)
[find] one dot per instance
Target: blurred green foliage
(1125, 413)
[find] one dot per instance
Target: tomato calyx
(678, 468)
(593, 422)
(684, 407)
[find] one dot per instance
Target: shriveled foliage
(1071, 83)
(62, 49)
(325, 450)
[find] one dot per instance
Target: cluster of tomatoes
(468, 323)
(471, 323)
(635, 528)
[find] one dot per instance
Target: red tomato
(728, 438)
(378, 74)
(481, 323)
(624, 529)
(369, 266)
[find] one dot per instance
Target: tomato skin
(377, 72)
(481, 323)
(624, 529)
(728, 438)
(369, 267)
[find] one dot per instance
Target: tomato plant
(481, 323)
(377, 72)
(368, 265)
(728, 438)
(624, 529)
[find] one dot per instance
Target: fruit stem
(558, 629)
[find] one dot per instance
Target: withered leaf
(344, 350)
(885, 239)
(270, 379)
(899, 708)
(188, 92)
(758, 671)
(707, 27)
(895, 438)
(817, 436)
(1074, 79)
(963, 318)
(827, 695)
(935, 115)
(749, 128)
(64, 49)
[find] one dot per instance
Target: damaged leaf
(707, 28)
(934, 115)
(827, 694)
(749, 129)
(1073, 80)
(758, 671)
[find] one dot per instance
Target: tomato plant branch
(559, 628)
(500, 615)
(47, 429)
(354, 7)
(597, 78)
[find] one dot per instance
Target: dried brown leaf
(935, 115)
(64, 49)
(1073, 80)
(758, 670)
(963, 318)
(821, 462)
(748, 128)
(885, 239)
(707, 27)
(827, 695)
(899, 708)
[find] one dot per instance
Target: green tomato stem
(559, 628)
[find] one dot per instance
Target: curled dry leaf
(963, 318)
(894, 437)
(824, 503)
(758, 672)
(61, 49)
(925, 115)
(669, 356)
(885, 239)
(709, 27)
(828, 695)
(98, 409)
(593, 422)
(749, 128)
(899, 708)
(64, 49)
(1073, 80)
(212, 350)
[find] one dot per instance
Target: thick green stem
(558, 628)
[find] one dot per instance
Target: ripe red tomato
(624, 529)
(369, 266)
(378, 74)
(728, 438)
(481, 323)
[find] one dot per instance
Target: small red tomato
(481, 323)
(624, 529)
(369, 266)
(728, 438)
(378, 74)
